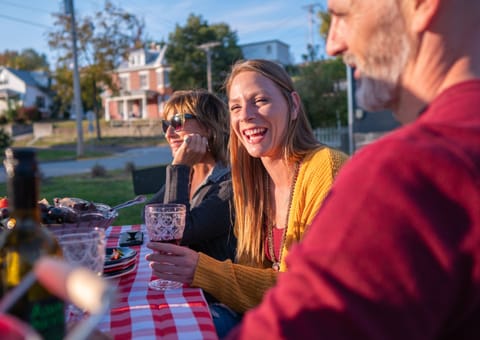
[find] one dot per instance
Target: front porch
(134, 105)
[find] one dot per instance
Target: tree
(104, 41)
(28, 60)
(325, 19)
(189, 62)
(320, 87)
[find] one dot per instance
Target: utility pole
(351, 109)
(77, 99)
(207, 48)
(311, 21)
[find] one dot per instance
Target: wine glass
(84, 247)
(165, 223)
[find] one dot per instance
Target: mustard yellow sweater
(242, 287)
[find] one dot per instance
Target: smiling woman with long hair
(280, 176)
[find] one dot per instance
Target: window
(163, 79)
(124, 83)
(40, 102)
(166, 78)
(143, 80)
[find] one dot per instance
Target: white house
(28, 89)
(274, 50)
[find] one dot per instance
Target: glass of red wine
(165, 223)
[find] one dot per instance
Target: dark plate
(127, 253)
(115, 274)
(119, 266)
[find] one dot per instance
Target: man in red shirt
(394, 253)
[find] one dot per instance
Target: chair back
(148, 180)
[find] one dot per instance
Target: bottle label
(47, 317)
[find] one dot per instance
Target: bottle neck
(23, 198)
(23, 192)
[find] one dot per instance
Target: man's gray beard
(374, 95)
(378, 87)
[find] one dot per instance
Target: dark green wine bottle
(26, 243)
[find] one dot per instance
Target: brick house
(144, 86)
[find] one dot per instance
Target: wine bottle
(25, 243)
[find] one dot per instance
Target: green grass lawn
(112, 189)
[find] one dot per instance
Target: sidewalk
(140, 157)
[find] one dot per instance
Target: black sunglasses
(177, 121)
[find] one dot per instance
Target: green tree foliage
(5, 140)
(320, 87)
(103, 41)
(28, 60)
(189, 62)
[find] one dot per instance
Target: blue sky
(24, 24)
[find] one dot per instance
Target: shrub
(11, 114)
(98, 171)
(5, 140)
(30, 113)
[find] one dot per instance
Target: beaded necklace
(271, 252)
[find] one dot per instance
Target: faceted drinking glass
(165, 223)
(83, 247)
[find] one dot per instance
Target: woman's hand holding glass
(172, 262)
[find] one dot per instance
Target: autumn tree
(188, 60)
(104, 40)
(325, 19)
(28, 60)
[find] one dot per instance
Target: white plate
(125, 271)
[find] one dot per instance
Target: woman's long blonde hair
(249, 174)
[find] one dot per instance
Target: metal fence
(334, 137)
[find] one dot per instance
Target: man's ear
(296, 104)
(422, 13)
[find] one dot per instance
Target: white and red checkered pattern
(142, 313)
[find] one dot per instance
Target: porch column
(144, 107)
(125, 109)
(107, 109)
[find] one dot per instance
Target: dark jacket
(210, 213)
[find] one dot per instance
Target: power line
(24, 7)
(24, 21)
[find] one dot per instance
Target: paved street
(140, 157)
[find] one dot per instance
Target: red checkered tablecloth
(142, 313)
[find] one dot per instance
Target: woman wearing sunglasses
(196, 127)
(280, 176)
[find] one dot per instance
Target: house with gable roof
(144, 86)
(27, 89)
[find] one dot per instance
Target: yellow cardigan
(242, 287)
